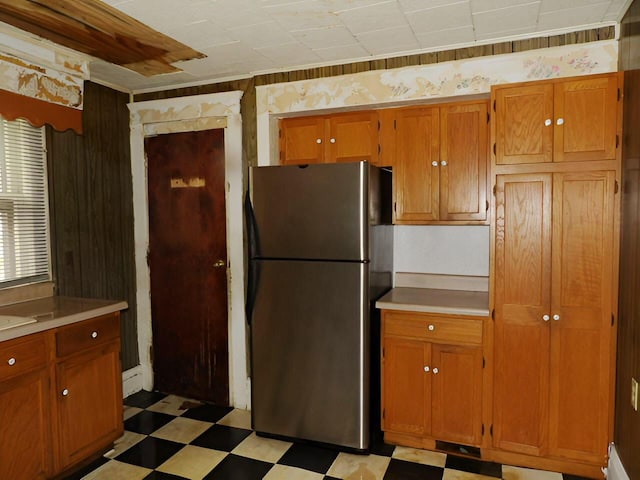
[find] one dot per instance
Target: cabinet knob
(434, 164)
(443, 163)
(545, 318)
(333, 140)
(435, 370)
(426, 368)
(547, 122)
(318, 140)
(431, 328)
(560, 121)
(65, 392)
(94, 334)
(11, 361)
(556, 317)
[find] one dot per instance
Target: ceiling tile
(478, 6)
(457, 15)
(413, 5)
(262, 35)
(510, 18)
(289, 54)
(371, 18)
(389, 40)
(346, 52)
(505, 35)
(555, 5)
(339, 6)
(305, 15)
(584, 15)
(325, 37)
(446, 38)
(201, 35)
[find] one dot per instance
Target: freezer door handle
(252, 241)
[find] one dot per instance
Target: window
(24, 238)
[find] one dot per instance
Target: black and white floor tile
(173, 438)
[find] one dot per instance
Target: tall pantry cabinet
(555, 231)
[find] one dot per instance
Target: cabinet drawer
(22, 355)
(86, 334)
(452, 329)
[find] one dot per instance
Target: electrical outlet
(634, 394)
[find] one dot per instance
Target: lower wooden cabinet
(60, 398)
(432, 379)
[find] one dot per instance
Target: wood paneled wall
(627, 426)
(91, 207)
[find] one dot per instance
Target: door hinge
(619, 94)
(612, 320)
(491, 430)
(494, 105)
(488, 117)
(617, 141)
(148, 257)
(482, 430)
(383, 413)
(394, 124)
(394, 207)
(378, 125)
(483, 362)
(382, 352)
(151, 353)
(494, 148)
(493, 314)
(494, 190)
(487, 205)
(615, 187)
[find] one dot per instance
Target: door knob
(219, 263)
(426, 368)
(545, 318)
(556, 317)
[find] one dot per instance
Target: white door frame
(184, 114)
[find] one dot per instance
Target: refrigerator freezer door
(314, 211)
(310, 352)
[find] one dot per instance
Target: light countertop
(433, 300)
(53, 312)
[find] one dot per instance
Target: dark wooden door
(188, 263)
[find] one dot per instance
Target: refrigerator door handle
(253, 272)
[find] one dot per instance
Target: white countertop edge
(48, 324)
(432, 309)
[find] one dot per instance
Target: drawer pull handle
(11, 361)
(65, 392)
(94, 334)
(435, 370)
(431, 328)
(426, 368)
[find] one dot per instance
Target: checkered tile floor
(169, 437)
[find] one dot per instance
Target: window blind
(24, 237)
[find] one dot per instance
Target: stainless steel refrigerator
(321, 252)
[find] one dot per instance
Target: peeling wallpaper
(62, 87)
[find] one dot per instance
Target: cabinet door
(302, 140)
(353, 137)
(522, 299)
(406, 386)
(581, 331)
(456, 398)
(585, 119)
(524, 124)
(415, 171)
(89, 399)
(463, 162)
(24, 425)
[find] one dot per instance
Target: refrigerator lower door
(310, 352)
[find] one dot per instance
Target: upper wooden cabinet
(343, 137)
(554, 283)
(440, 163)
(557, 121)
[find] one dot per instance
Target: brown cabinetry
(553, 338)
(88, 388)
(343, 137)
(25, 418)
(440, 163)
(60, 398)
(432, 379)
(556, 121)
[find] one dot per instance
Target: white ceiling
(242, 38)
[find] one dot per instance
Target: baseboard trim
(615, 469)
(131, 381)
